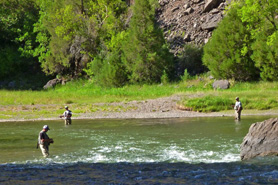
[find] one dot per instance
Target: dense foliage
(244, 45)
(261, 17)
(145, 53)
(105, 40)
(223, 53)
(114, 44)
(16, 22)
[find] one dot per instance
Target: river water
(133, 151)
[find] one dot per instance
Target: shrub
(185, 76)
(208, 104)
(227, 54)
(108, 71)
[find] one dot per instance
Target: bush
(227, 54)
(164, 78)
(185, 76)
(108, 71)
(208, 104)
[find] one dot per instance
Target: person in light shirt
(67, 116)
(238, 109)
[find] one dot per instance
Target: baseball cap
(46, 127)
(237, 98)
(66, 107)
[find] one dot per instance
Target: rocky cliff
(189, 21)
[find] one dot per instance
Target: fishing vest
(67, 114)
(42, 135)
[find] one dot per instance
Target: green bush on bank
(253, 95)
(208, 104)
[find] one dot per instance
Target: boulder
(212, 22)
(52, 83)
(261, 140)
(209, 26)
(221, 84)
(163, 2)
(211, 4)
(189, 11)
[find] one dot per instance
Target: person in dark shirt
(44, 141)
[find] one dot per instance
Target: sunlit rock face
(261, 140)
(189, 21)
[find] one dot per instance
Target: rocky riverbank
(144, 173)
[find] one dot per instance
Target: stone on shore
(221, 84)
(52, 83)
(261, 140)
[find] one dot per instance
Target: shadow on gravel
(139, 173)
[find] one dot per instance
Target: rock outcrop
(189, 21)
(261, 140)
(52, 83)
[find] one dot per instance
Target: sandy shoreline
(165, 107)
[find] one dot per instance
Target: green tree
(228, 53)
(260, 16)
(266, 56)
(16, 34)
(145, 53)
(106, 67)
(72, 33)
(57, 33)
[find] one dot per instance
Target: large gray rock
(52, 83)
(221, 84)
(261, 140)
(210, 4)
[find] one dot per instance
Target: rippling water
(173, 151)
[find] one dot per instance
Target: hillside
(190, 21)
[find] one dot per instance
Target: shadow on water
(139, 173)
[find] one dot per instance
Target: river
(133, 151)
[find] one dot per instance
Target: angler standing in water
(67, 116)
(238, 109)
(44, 141)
